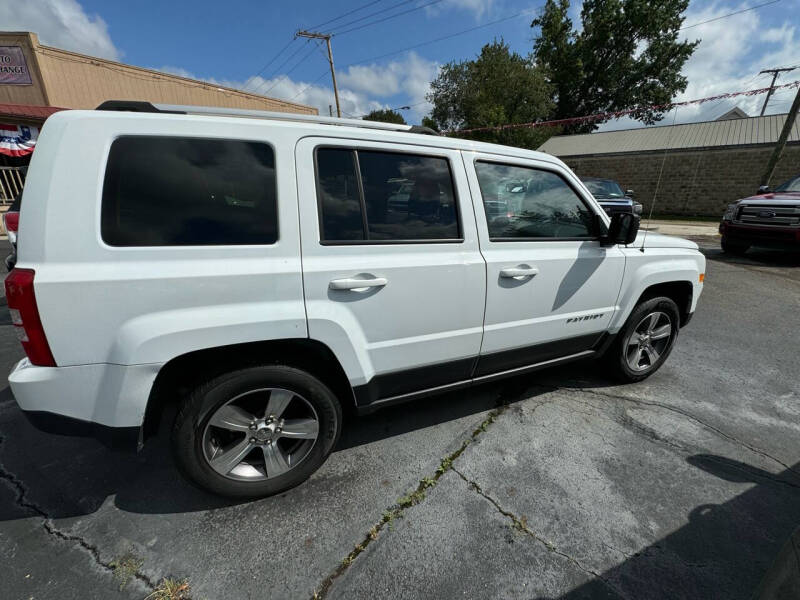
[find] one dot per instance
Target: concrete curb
(782, 581)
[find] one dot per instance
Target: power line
(285, 62)
(272, 60)
(738, 12)
(343, 15)
(321, 75)
(628, 111)
(400, 14)
(373, 14)
(440, 39)
(286, 75)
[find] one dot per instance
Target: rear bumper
(768, 237)
(100, 400)
(118, 438)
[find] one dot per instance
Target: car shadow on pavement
(71, 476)
(725, 549)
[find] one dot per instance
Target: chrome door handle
(519, 272)
(354, 283)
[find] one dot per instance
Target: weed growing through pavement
(125, 568)
(171, 589)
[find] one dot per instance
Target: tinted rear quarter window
(171, 191)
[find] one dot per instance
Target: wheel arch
(680, 292)
(183, 373)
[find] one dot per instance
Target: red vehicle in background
(771, 219)
(11, 224)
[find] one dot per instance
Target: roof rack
(147, 107)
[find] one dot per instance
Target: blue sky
(230, 43)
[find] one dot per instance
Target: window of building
(528, 203)
(172, 191)
(396, 196)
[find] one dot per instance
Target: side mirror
(629, 193)
(764, 189)
(623, 229)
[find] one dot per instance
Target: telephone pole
(775, 73)
(787, 127)
(327, 38)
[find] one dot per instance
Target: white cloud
(60, 23)
(410, 75)
(362, 88)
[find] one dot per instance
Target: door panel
(545, 297)
(422, 302)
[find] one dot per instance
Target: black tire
(734, 248)
(617, 357)
(191, 442)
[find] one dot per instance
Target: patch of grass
(125, 568)
(171, 589)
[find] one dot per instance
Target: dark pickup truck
(769, 219)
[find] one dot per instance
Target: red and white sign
(17, 140)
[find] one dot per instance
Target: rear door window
(174, 191)
(379, 196)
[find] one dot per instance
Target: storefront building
(38, 80)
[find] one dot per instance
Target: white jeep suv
(266, 271)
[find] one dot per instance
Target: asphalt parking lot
(557, 485)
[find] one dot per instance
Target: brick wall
(695, 182)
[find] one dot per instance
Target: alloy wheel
(648, 341)
(260, 434)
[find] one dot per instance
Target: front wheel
(256, 431)
(646, 340)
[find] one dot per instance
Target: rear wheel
(256, 431)
(646, 340)
(736, 248)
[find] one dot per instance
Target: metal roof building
(706, 165)
(707, 134)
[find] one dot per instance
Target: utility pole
(787, 127)
(775, 73)
(327, 38)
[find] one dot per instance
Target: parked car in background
(611, 197)
(769, 219)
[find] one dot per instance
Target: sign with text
(13, 68)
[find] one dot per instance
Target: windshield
(604, 189)
(793, 185)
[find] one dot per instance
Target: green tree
(430, 123)
(627, 55)
(386, 116)
(497, 88)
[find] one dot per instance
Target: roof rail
(148, 107)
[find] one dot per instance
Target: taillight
(25, 317)
(11, 223)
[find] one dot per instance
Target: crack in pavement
(22, 501)
(686, 414)
(418, 495)
(521, 524)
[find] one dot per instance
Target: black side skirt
(402, 386)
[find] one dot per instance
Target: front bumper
(767, 237)
(99, 400)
